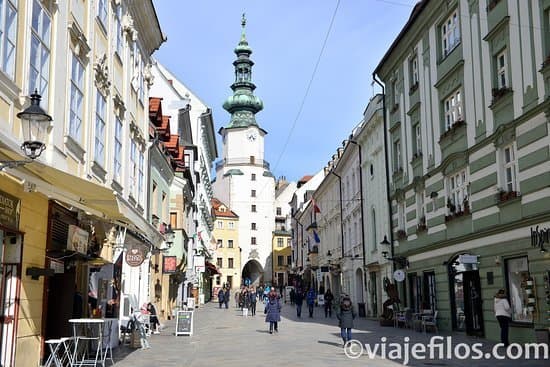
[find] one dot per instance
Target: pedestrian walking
(310, 300)
(503, 314)
(292, 296)
(226, 298)
(346, 315)
(221, 294)
(252, 301)
(273, 312)
(328, 297)
(299, 300)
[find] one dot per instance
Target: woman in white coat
(503, 313)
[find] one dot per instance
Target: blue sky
(286, 37)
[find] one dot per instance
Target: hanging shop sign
(135, 256)
(539, 237)
(199, 263)
(169, 264)
(468, 259)
(10, 209)
(399, 275)
(77, 240)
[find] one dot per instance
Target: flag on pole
(315, 207)
(316, 237)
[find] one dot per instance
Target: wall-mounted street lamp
(169, 236)
(34, 122)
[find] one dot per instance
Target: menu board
(184, 323)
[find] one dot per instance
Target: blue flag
(316, 237)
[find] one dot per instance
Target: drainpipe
(341, 211)
(375, 79)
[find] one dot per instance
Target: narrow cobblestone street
(224, 337)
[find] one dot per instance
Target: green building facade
(468, 114)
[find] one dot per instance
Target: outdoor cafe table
(88, 342)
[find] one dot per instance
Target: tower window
(253, 177)
(253, 193)
(253, 208)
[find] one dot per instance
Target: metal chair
(429, 321)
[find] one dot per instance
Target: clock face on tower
(251, 136)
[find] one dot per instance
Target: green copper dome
(243, 104)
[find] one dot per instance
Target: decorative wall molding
(101, 76)
(78, 40)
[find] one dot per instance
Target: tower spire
(243, 104)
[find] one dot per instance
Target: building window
(453, 109)
(450, 33)
(230, 263)
(253, 208)
(519, 284)
(501, 69)
(397, 155)
(289, 260)
(420, 211)
(402, 225)
(77, 99)
(118, 30)
(253, 240)
(253, 226)
(220, 224)
(395, 94)
(229, 243)
(509, 175)
(253, 177)
(218, 280)
(253, 193)
(8, 37)
(219, 262)
(174, 220)
(133, 167)
(141, 177)
(102, 12)
(229, 281)
(288, 242)
(164, 209)
(219, 243)
(373, 229)
(279, 211)
(118, 150)
(413, 66)
(230, 225)
(99, 146)
(280, 260)
(40, 49)
(457, 184)
(280, 242)
(417, 140)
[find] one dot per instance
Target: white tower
(243, 178)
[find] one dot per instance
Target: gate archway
(253, 272)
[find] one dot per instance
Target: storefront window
(517, 271)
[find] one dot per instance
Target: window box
(413, 88)
(498, 93)
(416, 156)
(457, 124)
(504, 196)
(455, 212)
(401, 234)
(421, 226)
(492, 4)
(394, 108)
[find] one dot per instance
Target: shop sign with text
(135, 256)
(10, 209)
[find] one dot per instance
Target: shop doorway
(373, 288)
(465, 292)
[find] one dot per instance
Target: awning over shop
(98, 200)
(212, 269)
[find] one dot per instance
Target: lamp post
(34, 122)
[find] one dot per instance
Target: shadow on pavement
(330, 343)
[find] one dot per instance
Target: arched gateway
(253, 273)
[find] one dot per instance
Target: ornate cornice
(78, 40)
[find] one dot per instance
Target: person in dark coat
(346, 315)
(328, 303)
(221, 294)
(310, 300)
(252, 298)
(292, 296)
(273, 312)
(226, 298)
(299, 300)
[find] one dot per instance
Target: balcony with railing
(251, 161)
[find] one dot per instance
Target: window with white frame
(230, 243)
(453, 109)
(518, 278)
(414, 70)
(457, 186)
(401, 223)
(253, 240)
(450, 33)
(118, 29)
(220, 224)
(418, 139)
(141, 177)
(8, 37)
(395, 93)
(118, 150)
(102, 8)
(501, 68)
(231, 225)
(133, 166)
(39, 72)
(253, 193)
(99, 141)
(509, 169)
(280, 242)
(397, 155)
(77, 99)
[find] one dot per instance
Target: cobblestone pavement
(226, 338)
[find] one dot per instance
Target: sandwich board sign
(184, 323)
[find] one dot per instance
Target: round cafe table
(88, 342)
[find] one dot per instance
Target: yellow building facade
(282, 257)
(227, 257)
